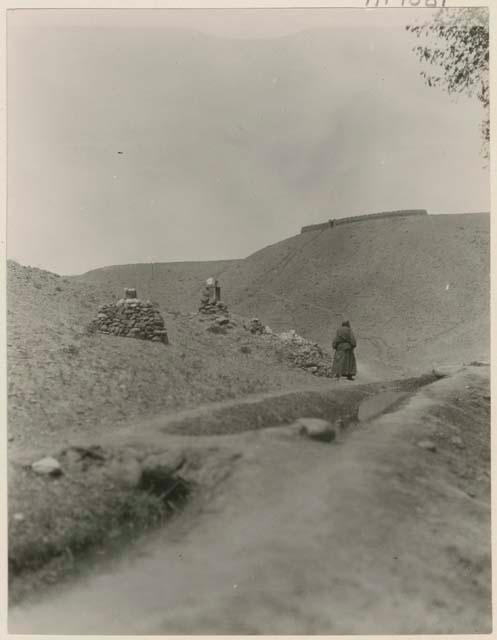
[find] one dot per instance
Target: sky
(171, 135)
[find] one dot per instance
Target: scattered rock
(255, 327)
(71, 349)
(19, 517)
(304, 354)
(222, 321)
(458, 442)
(216, 328)
(125, 471)
(245, 349)
(91, 454)
(317, 429)
(168, 461)
(429, 445)
(47, 467)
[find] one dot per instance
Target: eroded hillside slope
(63, 380)
(415, 289)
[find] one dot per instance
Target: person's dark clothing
(344, 362)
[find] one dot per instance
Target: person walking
(344, 362)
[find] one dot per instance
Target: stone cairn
(212, 309)
(131, 318)
(210, 303)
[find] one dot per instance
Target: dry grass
(104, 496)
(69, 514)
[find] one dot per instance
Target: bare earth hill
(63, 381)
(400, 500)
(175, 285)
(415, 289)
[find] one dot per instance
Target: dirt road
(371, 535)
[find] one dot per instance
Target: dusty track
(374, 535)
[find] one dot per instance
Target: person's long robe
(344, 362)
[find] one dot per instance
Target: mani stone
(130, 293)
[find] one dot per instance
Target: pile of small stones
(216, 312)
(256, 327)
(209, 307)
(305, 354)
(131, 318)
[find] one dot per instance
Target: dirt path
(373, 535)
(214, 417)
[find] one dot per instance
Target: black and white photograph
(247, 320)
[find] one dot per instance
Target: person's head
(346, 323)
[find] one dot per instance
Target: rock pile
(220, 324)
(47, 467)
(131, 318)
(256, 327)
(210, 307)
(305, 354)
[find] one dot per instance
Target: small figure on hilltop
(344, 363)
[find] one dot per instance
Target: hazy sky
(194, 135)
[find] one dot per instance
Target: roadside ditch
(102, 496)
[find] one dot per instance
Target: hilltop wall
(403, 213)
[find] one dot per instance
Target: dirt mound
(415, 289)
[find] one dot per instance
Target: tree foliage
(456, 46)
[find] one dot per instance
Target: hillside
(416, 292)
(176, 285)
(415, 289)
(64, 382)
